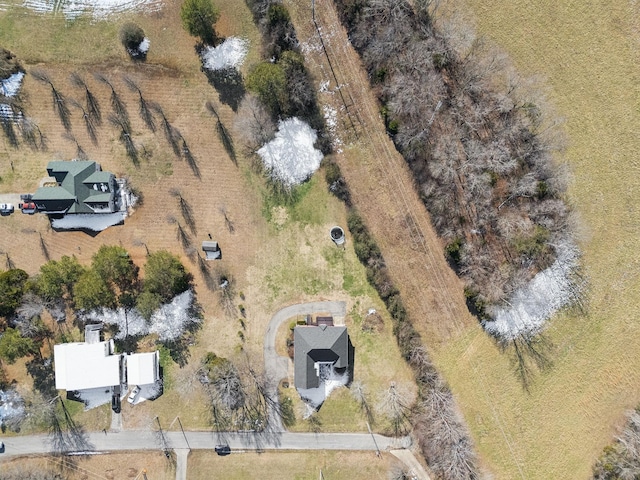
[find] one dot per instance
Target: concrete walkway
(181, 467)
(416, 470)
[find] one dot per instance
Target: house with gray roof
(317, 348)
(80, 187)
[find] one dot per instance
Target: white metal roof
(143, 368)
(80, 366)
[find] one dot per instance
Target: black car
(223, 449)
(115, 403)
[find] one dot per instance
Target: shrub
(268, 81)
(131, 36)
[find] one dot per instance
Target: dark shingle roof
(75, 180)
(318, 344)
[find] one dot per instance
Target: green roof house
(316, 348)
(80, 187)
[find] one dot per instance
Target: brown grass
(290, 465)
(118, 466)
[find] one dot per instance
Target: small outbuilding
(212, 250)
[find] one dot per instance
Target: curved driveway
(277, 367)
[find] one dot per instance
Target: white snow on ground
(89, 221)
(290, 157)
(228, 54)
(331, 119)
(11, 406)
(10, 87)
(144, 45)
(329, 381)
(531, 306)
(169, 321)
(172, 318)
(129, 322)
(98, 8)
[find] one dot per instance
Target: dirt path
(379, 180)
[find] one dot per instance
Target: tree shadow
(229, 84)
(41, 370)
(529, 354)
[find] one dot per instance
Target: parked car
(222, 449)
(27, 207)
(6, 208)
(115, 403)
(133, 396)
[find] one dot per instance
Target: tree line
(281, 81)
(441, 433)
(477, 140)
(621, 459)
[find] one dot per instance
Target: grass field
(587, 55)
(290, 465)
(209, 466)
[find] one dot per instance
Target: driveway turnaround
(277, 367)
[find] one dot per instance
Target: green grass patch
(36, 38)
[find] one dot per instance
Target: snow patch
(531, 306)
(329, 381)
(229, 54)
(98, 8)
(169, 321)
(144, 45)
(291, 157)
(88, 221)
(10, 87)
(11, 407)
(331, 120)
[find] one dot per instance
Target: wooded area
(476, 138)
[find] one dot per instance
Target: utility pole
(183, 434)
(374, 440)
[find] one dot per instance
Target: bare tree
(227, 221)
(144, 107)
(168, 130)
(88, 121)
(118, 106)
(80, 153)
(59, 100)
(32, 135)
(223, 134)
(125, 137)
(92, 104)
(395, 406)
(186, 210)
(360, 394)
(254, 123)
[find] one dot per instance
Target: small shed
(212, 250)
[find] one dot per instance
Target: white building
(93, 371)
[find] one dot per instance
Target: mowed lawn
(587, 53)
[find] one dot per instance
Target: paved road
(147, 440)
(276, 366)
